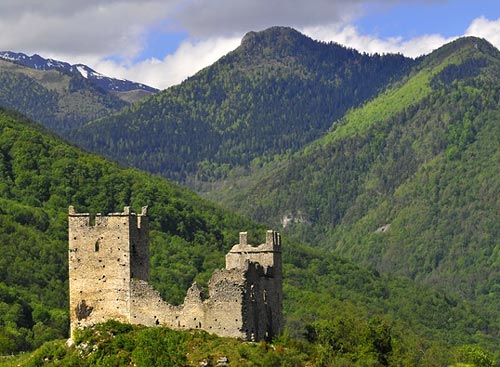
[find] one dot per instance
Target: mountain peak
(276, 33)
(278, 41)
(468, 41)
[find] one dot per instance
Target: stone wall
(109, 273)
(220, 314)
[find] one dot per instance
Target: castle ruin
(109, 274)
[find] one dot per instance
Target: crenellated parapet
(273, 243)
(99, 220)
(267, 254)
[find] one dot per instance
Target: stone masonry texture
(109, 274)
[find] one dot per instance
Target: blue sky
(397, 19)
(161, 42)
(411, 19)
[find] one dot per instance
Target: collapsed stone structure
(109, 273)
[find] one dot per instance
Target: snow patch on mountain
(82, 71)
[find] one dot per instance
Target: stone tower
(103, 257)
(262, 294)
(109, 273)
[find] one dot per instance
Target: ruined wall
(263, 294)
(268, 254)
(109, 275)
(221, 313)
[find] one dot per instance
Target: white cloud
(173, 69)
(350, 37)
(118, 28)
(217, 17)
(91, 28)
(485, 28)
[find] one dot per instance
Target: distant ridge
(59, 95)
(108, 84)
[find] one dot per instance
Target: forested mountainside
(40, 175)
(59, 95)
(408, 182)
(275, 93)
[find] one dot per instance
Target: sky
(162, 42)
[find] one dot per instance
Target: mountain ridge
(107, 83)
(404, 166)
(57, 95)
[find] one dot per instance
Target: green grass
(382, 108)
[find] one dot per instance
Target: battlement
(267, 254)
(85, 219)
(273, 243)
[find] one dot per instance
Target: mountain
(59, 95)
(102, 81)
(40, 175)
(278, 91)
(406, 183)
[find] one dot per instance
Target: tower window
(96, 246)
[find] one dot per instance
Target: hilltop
(347, 341)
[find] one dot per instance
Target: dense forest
(272, 95)
(35, 194)
(189, 238)
(410, 175)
